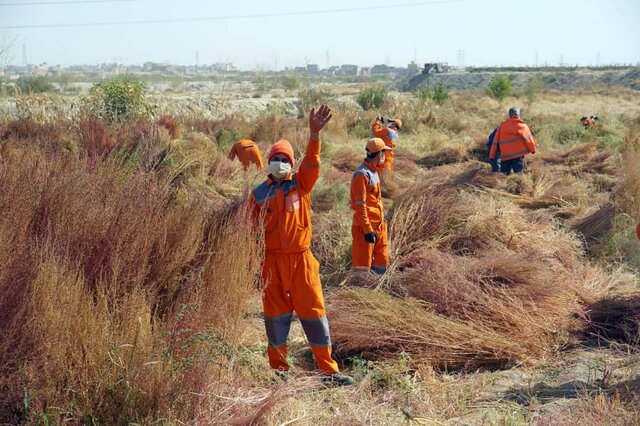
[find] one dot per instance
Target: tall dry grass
(469, 268)
(119, 301)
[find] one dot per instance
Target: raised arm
(310, 167)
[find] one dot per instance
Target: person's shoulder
(363, 170)
(262, 189)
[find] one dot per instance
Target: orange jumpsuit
(290, 272)
(513, 139)
(368, 216)
(390, 138)
(247, 152)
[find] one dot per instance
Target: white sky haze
(252, 33)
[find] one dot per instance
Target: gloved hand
(371, 237)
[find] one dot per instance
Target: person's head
(281, 159)
(514, 112)
(376, 149)
(394, 123)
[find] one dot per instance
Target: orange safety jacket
(366, 198)
(247, 152)
(512, 140)
(286, 205)
(389, 136)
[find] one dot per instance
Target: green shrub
(500, 86)
(423, 93)
(290, 82)
(440, 94)
(118, 99)
(311, 97)
(34, 85)
(372, 97)
(227, 137)
(535, 86)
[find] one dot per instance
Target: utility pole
(24, 55)
(327, 59)
(536, 59)
(197, 58)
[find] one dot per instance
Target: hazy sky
(254, 33)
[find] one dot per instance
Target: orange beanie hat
(283, 146)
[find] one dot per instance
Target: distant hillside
(557, 80)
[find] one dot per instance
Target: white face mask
(279, 169)
(381, 158)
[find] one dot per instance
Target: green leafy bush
(440, 94)
(535, 86)
(500, 86)
(290, 82)
(372, 97)
(118, 99)
(34, 85)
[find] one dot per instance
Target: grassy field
(129, 289)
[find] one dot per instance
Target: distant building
(413, 68)
(436, 68)
(348, 69)
(380, 69)
(313, 68)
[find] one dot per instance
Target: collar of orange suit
(271, 180)
(373, 167)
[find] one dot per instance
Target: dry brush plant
(477, 280)
(119, 302)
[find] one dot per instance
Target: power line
(231, 17)
(42, 3)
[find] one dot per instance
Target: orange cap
(375, 145)
(283, 146)
(638, 231)
(398, 122)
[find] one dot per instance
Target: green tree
(535, 85)
(439, 94)
(34, 84)
(371, 98)
(423, 93)
(289, 82)
(118, 99)
(500, 86)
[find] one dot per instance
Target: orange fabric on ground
(290, 272)
(247, 152)
(513, 139)
(390, 138)
(368, 216)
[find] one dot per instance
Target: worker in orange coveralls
(589, 121)
(512, 141)
(387, 130)
(369, 250)
(247, 152)
(290, 271)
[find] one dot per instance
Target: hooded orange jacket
(366, 198)
(513, 139)
(247, 152)
(286, 205)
